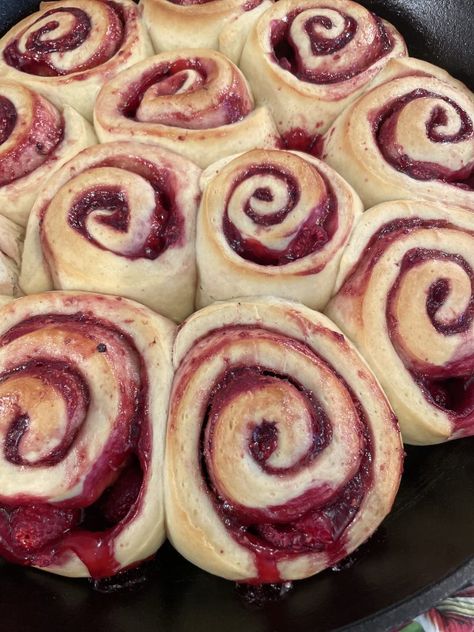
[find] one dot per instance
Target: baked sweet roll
(405, 297)
(36, 138)
(272, 222)
(84, 388)
(194, 102)
(282, 453)
(11, 242)
(411, 136)
(218, 24)
(307, 60)
(118, 218)
(68, 49)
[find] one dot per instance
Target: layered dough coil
(84, 387)
(307, 60)
(411, 136)
(282, 454)
(119, 218)
(11, 243)
(194, 102)
(405, 297)
(218, 24)
(272, 222)
(36, 138)
(68, 49)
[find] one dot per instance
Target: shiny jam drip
(385, 126)
(449, 387)
(307, 524)
(318, 229)
(35, 60)
(287, 56)
(39, 533)
(167, 225)
(298, 139)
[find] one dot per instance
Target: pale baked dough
(230, 186)
(58, 256)
(11, 245)
(218, 24)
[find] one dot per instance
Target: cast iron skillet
(421, 553)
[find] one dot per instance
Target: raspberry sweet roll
(194, 102)
(273, 222)
(120, 219)
(84, 389)
(411, 136)
(283, 454)
(308, 59)
(67, 50)
(11, 243)
(218, 24)
(36, 138)
(405, 297)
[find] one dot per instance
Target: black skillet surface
(422, 552)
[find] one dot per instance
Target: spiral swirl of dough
(84, 381)
(282, 452)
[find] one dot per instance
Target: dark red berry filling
(7, 118)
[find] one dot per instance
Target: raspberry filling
(35, 532)
(315, 232)
(385, 128)
(8, 118)
(287, 55)
(167, 225)
(170, 78)
(35, 59)
(313, 522)
(298, 139)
